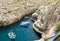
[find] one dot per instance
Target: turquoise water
(22, 33)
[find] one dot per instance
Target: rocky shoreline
(46, 14)
(46, 19)
(14, 10)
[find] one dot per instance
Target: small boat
(11, 35)
(24, 24)
(26, 17)
(55, 37)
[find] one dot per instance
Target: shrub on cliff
(58, 26)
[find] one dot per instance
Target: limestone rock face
(47, 19)
(13, 10)
(34, 16)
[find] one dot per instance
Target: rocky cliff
(46, 15)
(13, 10)
(46, 19)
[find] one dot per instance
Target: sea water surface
(22, 33)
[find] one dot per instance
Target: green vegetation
(58, 1)
(58, 26)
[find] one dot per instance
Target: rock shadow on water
(26, 33)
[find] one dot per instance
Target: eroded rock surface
(48, 15)
(13, 10)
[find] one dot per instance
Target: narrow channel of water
(22, 33)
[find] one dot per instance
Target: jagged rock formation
(47, 17)
(13, 10)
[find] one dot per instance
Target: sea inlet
(22, 33)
